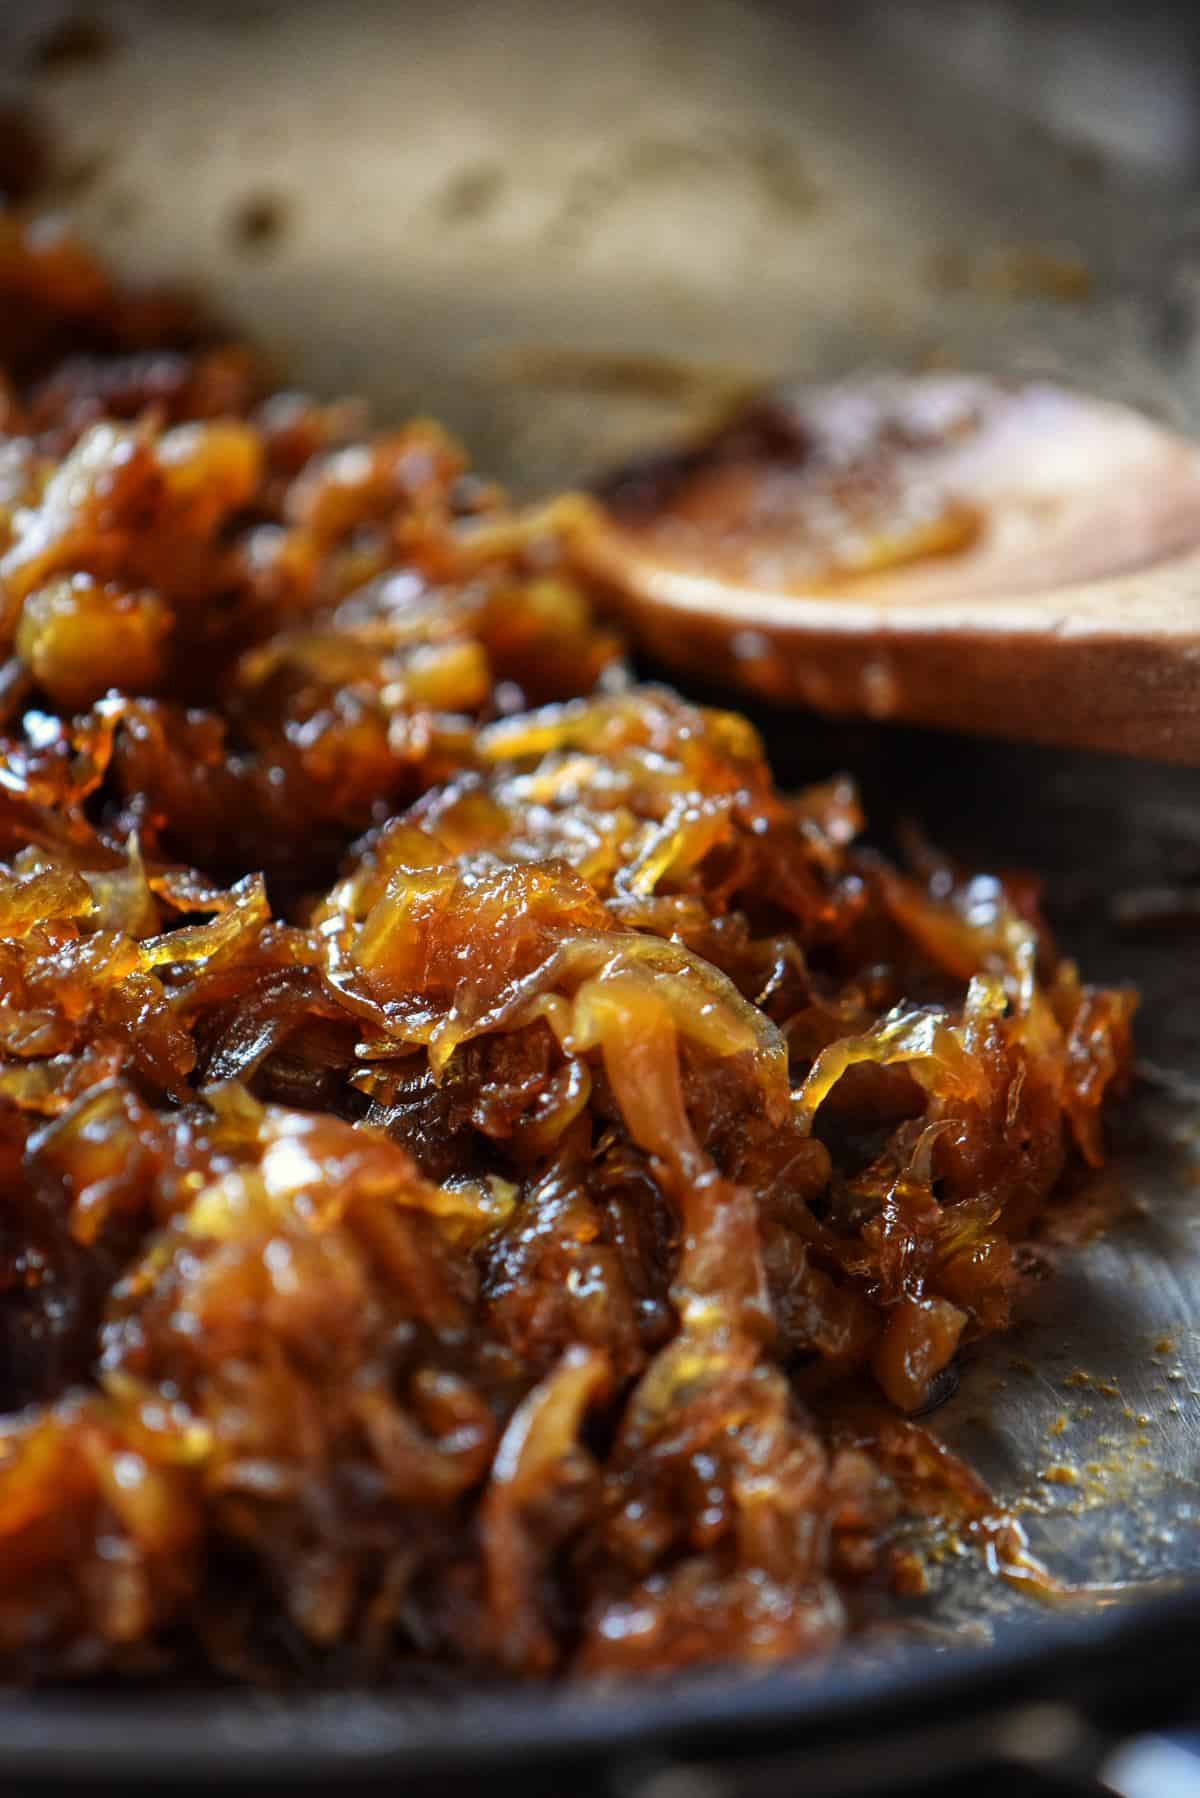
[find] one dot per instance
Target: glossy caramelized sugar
(472, 1146)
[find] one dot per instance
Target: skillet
(574, 233)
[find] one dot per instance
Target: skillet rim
(1118, 1670)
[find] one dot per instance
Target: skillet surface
(747, 195)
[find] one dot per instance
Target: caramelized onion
(427, 1070)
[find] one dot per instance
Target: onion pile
(488, 1178)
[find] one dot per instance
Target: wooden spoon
(1014, 559)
